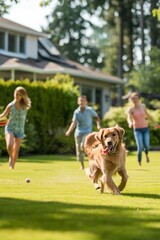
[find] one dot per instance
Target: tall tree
(70, 27)
(4, 7)
(142, 31)
(118, 17)
(154, 25)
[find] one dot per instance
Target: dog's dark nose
(109, 143)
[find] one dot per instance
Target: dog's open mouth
(110, 148)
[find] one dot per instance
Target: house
(26, 53)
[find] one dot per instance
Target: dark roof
(50, 67)
(47, 51)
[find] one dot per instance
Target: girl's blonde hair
(25, 100)
(134, 94)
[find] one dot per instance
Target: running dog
(107, 155)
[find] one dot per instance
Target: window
(94, 96)
(2, 40)
(11, 42)
(98, 96)
(87, 91)
(21, 44)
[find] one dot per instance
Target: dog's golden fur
(107, 155)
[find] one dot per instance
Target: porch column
(80, 89)
(34, 76)
(93, 95)
(13, 74)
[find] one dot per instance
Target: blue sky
(29, 13)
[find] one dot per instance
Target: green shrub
(118, 115)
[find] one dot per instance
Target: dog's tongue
(105, 151)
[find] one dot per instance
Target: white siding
(32, 47)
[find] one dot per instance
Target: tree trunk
(154, 33)
(142, 32)
(121, 50)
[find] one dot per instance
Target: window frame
(17, 51)
(1, 31)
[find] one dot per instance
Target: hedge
(53, 102)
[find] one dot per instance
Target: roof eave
(74, 73)
(13, 26)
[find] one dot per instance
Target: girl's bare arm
(5, 112)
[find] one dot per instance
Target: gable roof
(13, 26)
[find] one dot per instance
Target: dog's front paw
(96, 186)
(116, 192)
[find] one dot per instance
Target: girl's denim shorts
(16, 135)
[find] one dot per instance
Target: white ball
(27, 180)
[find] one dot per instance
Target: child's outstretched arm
(71, 127)
(5, 112)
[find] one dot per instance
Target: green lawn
(60, 202)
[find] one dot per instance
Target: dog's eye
(105, 136)
(114, 134)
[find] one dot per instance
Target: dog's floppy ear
(121, 131)
(99, 135)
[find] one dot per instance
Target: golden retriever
(107, 155)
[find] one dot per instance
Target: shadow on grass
(104, 222)
(142, 195)
(42, 158)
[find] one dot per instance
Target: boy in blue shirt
(83, 122)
